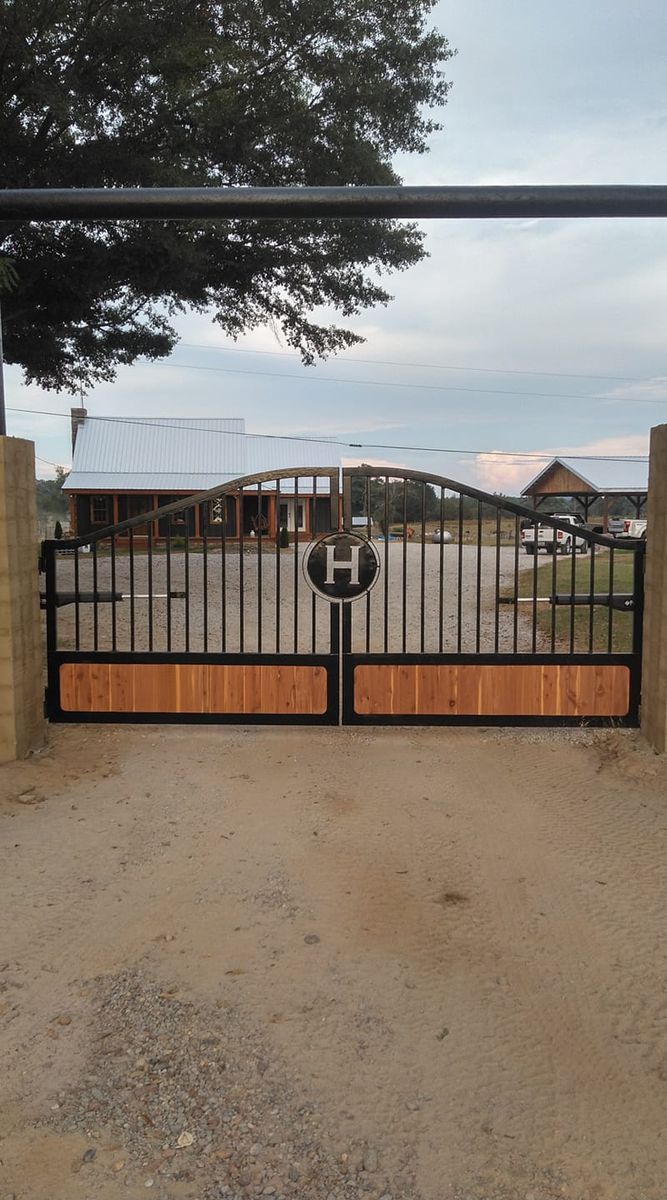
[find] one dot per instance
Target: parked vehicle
(538, 536)
(615, 526)
(635, 528)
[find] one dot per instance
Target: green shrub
(284, 537)
(58, 530)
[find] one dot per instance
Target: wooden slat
(193, 688)
(491, 690)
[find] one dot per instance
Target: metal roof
(189, 455)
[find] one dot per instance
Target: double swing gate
(356, 596)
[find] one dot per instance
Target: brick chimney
(78, 416)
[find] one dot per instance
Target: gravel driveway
(277, 579)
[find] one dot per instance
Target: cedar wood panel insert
(281, 689)
(491, 690)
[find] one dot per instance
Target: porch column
(272, 517)
(654, 666)
(21, 665)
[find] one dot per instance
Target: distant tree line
(413, 501)
(51, 500)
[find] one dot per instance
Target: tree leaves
(164, 92)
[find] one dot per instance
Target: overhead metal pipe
(448, 203)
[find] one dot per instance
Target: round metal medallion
(341, 566)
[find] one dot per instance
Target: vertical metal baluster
(610, 623)
(131, 541)
(386, 564)
(573, 588)
(536, 530)
(296, 564)
(278, 566)
(496, 629)
(95, 613)
(478, 615)
(168, 556)
(515, 614)
(223, 577)
(422, 587)
(368, 535)
(313, 599)
(77, 615)
(186, 577)
(204, 546)
(441, 580)
(554, 588)
(591, 611)
(259, 568)
(404, 628)
(241, 575)
(51, 590)
(459, 594)
(112, 548)
(150, 586)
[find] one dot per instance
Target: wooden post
(21, 665)
(654, 667)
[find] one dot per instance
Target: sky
(514, 337)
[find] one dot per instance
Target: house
(125, 466)
(618, 487)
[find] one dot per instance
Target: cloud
(648, 391)
(498, 472)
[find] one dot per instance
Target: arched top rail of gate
(504, 503)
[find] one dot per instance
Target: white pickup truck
(635, 529)
(536, 537)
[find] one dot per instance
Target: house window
(299, 516)
(283, 516)
(99, 510)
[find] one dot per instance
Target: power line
(428, 387)
(516, 455)
(387, 362)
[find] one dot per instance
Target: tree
(395, 503)
(202, 92)
(50, 496)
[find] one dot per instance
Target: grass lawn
(604, 620)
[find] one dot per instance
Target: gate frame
(340, 662)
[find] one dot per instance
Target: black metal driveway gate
(204, 610)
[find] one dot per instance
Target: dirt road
(422, 965)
